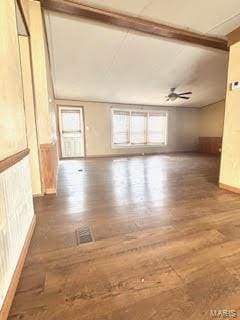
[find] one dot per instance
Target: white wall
(30, 114)
(12, 119)
(182, 129)
(16, 206)
(16, 214)
(230, 161)
(211, 119)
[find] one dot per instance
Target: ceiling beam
(234, 37)
(133, 23)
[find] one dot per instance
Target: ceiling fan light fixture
(172, 96)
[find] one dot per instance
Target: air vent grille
(83, 235)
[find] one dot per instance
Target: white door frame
(71, 108)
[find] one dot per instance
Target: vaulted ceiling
(96, 62)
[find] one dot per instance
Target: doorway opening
(71, 129)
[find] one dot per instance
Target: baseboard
(114, 155)
(50, 191)
(38, 195)
(17, 273)
(229, 188)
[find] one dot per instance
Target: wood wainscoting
(211, 145)
(49, 167)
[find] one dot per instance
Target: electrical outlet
(235, 85)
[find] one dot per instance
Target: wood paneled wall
(16, 219)
(211, 145)
(49, 164)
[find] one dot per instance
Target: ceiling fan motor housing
(173, 95)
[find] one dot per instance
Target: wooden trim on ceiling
(133, 23)
(233, 37)
(11, 160)
(16, 276)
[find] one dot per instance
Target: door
(71, 131)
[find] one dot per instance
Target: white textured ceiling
(97, 62)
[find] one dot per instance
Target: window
(138, 127)
(157, 127)
(132, 127)
(121, 127)
(70, 121)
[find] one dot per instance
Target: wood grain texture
(210, 145)
(49, 167)
(234, 37)
(16, 276)
(167, 242)
(11, 160)
(133, 23)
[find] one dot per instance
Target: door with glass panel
(71, 131)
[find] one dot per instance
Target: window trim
(130, 145)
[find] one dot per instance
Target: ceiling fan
(172, 96)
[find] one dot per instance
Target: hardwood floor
(167, 243)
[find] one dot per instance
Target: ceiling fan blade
(183, 97)
(180, 94)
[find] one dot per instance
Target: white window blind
(157, 128)
(121, 127)
(133, 127)
(138, 127)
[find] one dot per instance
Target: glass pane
(71, 121)
(71, 134)
(121, 128)
(138, 124)
(157, 129)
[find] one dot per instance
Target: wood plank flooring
(167, 243)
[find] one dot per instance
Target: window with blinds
(157, 128)
(121, 127)
(139, 128)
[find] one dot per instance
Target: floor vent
(83, 235)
